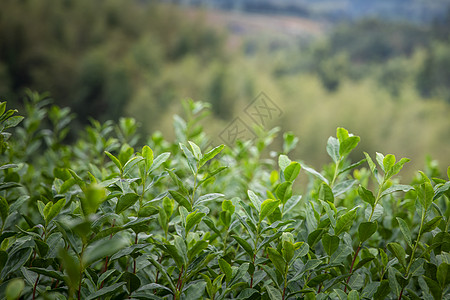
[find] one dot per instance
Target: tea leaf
(443, 274)
(193, 219)
(353, 295)
(330, 243)
(432, 224)
(210, 155)
(396, 188)
(366, 195)
(255, 200)
(106, 291)
(383, 290)
(284, 191)
(226, 269)
(181, 200)
(274, 294)
(243, 243)
(291, 172)
(425, 194)
(14, 289)
(347, 145)
(114, 159)
(267, 208)
(398, 252)
(147, 154)
(345, 222)
(196, 150)
(125, 201)
(435, 290)
(333, 148)
(277, 260)
(405, 230)
(366, 230)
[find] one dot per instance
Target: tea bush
(105, 218)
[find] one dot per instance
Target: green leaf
(315, 236)
(147, 154)
(255, 200)
(106, 291)
(125, 201)
(352, 166)
(267, 208)
(274, 294)
(425, 194)
(345, 222)
(14, 289)
(346, 146)
(132, 281)
(388, 162)
(4, 208)
(432, 224)
(192, 161)
(398, 252)
(330, 243)
(383, 290)
(159, 160)
(342, 134)
(325, 193)
(405, 230)
(102, 248)
(291, 172)
(353, 295)
(226, 269)
(244, 244)
(55, 209)
(315, 173)
(196, 150)
(181, 200)
(208, 197)
(148, 210)
(397, 167)
(210, 155)
(288, 251)
(50, 273)
(193, 219)
(343, 187)
(13, 121)
(366, 195)
(370, 162)
(443, 274)
(277, 260)
(15, 260)
(396, 188)
(380, 159)
(115, 160)
(284, 191)
(94, 196)
(366, 230)
(283, 162)
(435, 290)
(362, 262)
(333, 148)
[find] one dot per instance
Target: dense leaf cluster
(106, 218)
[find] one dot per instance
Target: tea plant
(107, 217)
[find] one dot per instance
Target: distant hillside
(334, 10)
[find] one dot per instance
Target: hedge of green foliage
(106, 218)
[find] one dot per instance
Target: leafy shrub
(106, 218)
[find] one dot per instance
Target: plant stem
(336, 169)
(353, 263)
(35, 286)
(134, 262)
(377, 199)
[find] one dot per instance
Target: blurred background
(381, 69)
